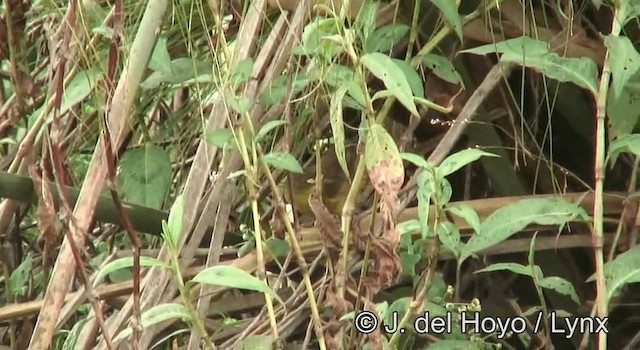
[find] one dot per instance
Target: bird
(335, 183)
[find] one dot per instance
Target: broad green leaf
(221, 138)
(623, 111)
(160, 60)
(267, 127)
(314, 39)
(415, 159)
(408, 262)
(412, 76)
(233, 277)
(561, 286)
(79, 88)
(624, 61)
(535, 54)
(337, 128)
(385, 69)
(622, 270)
(449, 237)
(625, 143)
(506, 221)
(338, 76)
(239, 104)
(442, 67)
(279, 89)
(183, 70)
(449, 10)
(426, 188)
(513, 267)
(145, 176)
(20, 276)
(522, 47)
(629, 9)
(383, 162)
(74, 334)
(468, 214)
(278, 247)
(399, 306)
(365, 23)
(284, 161)
(457, 160)
(241, 72)
(408, 227)
(384, 38)
(174, 223)
(123, 263)
(580, 71)
(156, 315)
(257, 342)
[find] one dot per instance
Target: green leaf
(145, 176)
(426, 189)
(74, 334)
(78, 89)
(449, 10)
(314, 39)
(267, 127)
(221, 138)
(183, 70)
(535, 54)
(580, 71)
(623, 111)
(279, 89)
(278, 247)
(241, 72)
(382, 160)
(156, 315)
(233, 277)
(337, 128)
(561, 286)
(624, 61)
(365, 23)
(415, 159)
(628, 10)
(160, 60)
(513, 267)
(468, 214)
(625, 143)
(443, 68)
(408, 263)
(174, 223)
(257, 342)
(457, 160)
(522, 47)
(239, 104)
(408, 227)
(384, 38)
(622, 270)
(338, 76)
(412, 76)
(284, 161)
(20, 276)
(506, 221)
(385, 69)
(449, 237)
(123, 263)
